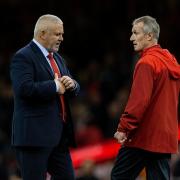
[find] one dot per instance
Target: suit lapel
(42, 60)
(60, 64)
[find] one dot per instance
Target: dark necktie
(57, 71)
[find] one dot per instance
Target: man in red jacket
(148, 128)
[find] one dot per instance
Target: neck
(152, 43)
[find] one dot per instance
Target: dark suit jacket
(36, 118)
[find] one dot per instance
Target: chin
(55, 50)
(137, 49)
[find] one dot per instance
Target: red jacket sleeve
(139, 98)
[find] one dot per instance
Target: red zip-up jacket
(150, 119)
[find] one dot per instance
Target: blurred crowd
(97, 49)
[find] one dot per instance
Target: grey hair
(150, 25)
(43, 23)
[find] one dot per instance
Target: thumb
(56, 76)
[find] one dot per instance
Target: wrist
(57, 85)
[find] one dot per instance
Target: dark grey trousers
(130, 162)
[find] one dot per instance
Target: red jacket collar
(149, 49)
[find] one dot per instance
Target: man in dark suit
(42, 128)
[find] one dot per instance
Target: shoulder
(144, 66)
(23, 50)
(145, 63)
(24, 54)
(150, 61)
(27, 50)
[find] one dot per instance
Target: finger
(115, 134)
(56, 76)
(68, 84)
(64, 78)
(67, 81)
(121, 141)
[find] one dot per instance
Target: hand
(67, 82)
(61, 87)
(121, 137)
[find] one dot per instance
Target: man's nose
(61, 38)
(131, 38)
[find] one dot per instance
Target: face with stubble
(53, 37)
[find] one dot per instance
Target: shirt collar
(42, 48)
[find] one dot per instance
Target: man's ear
(43, 34)
(149, 36)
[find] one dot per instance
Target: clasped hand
(64, 83)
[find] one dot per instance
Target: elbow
(24, 91)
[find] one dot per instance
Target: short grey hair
(44, 21)
(150, 25)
